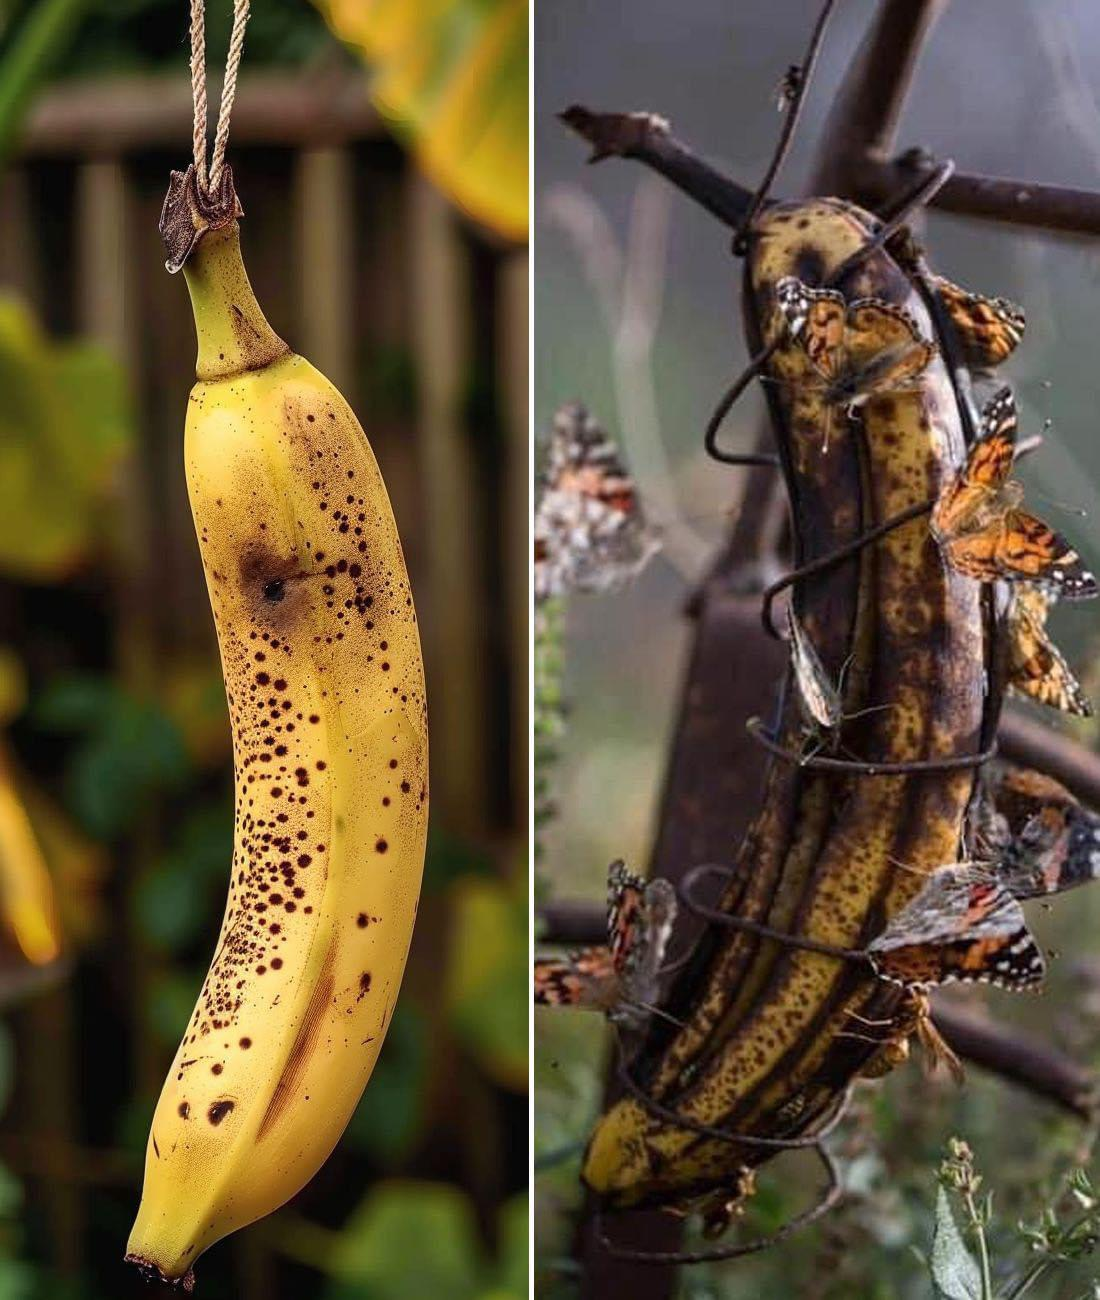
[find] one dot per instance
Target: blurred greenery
(418, 1239)
(138, 35)
(125, 748)
(65, 424)
(489, 963)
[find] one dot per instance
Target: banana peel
(767, 1046)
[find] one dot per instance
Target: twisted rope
(198, 87)
(208, 183)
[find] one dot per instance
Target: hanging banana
(321, 658)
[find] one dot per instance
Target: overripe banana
(321, 658)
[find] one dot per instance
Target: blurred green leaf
(448, 859)
(17, 1280)
(172, 899)
(954, 1270)
(513, 1234)
(489, 977)
(129, 750)
(169, 1000)
(389, 1114)
(408, 1239)
(411, 1239)
(37, 44)
(64, 424)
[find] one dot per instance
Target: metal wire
(794, 112)
(896, 215)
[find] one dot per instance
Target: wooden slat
(515, 510)
(17, 247)
(453, 621)
(124, 114)
(324, 207)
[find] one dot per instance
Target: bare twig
(647, 137)
(1031, 744)
(1007, 1053)
(1018, 1059)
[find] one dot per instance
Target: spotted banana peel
(767, 1047)
(321, 657)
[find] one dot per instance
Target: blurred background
(638, 315)
(380, 150)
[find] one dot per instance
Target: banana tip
(153, 1273)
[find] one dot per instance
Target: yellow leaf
(451, 77)
(27, 903)
(63, 427)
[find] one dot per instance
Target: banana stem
(233, 333)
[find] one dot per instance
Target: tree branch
(1037, 1068)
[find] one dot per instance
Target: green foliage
(420, 1239)
(1066, 1231)
(388, 1117)
(64, 425)
(488, 976)
(954, 1270)
(28, 55)
(126, 750)
(173, 898)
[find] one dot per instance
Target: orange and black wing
(1036, 667)
(583, 979)
(885, 349)
(988, 329)
(816, 319)
(963, 925)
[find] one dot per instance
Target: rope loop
(208, 181)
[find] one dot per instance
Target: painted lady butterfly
(981, 528)
(590, 533)
(621, 979)
(1036, 667)
(857, 350)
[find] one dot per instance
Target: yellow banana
(321, 658)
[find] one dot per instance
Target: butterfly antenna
(786, 136)
(657, 1011)
(871, 708)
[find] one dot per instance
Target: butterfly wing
(1058, 848)
(1028, 550)
(986, 470)
(987, 329)
(816, 318)
(963, 925)
(642, 970)
(584, 979)
(885, 350)
(820, 700)
(625, 913)
(590, 532)
(1036, 667)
